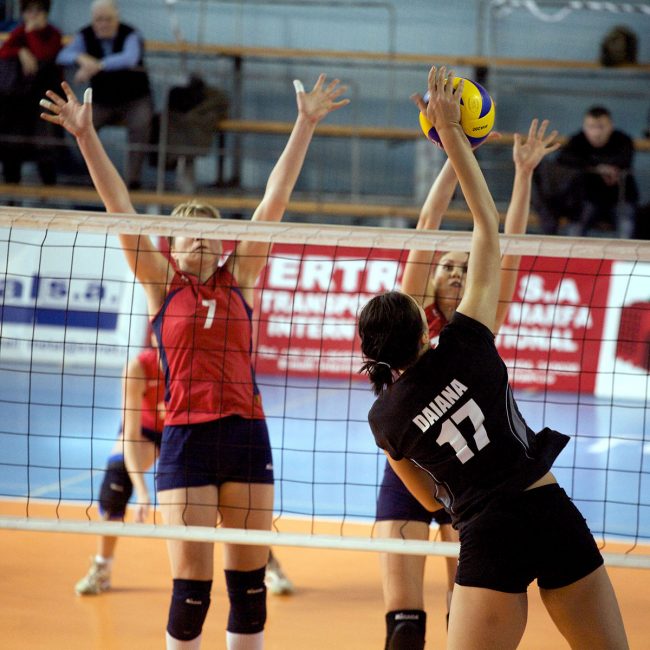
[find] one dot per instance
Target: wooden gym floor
(337, 603)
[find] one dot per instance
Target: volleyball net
(576, 342)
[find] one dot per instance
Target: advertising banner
(552, 338)
(624, 368)
(308, 305)
(67, 297)
(573, 325)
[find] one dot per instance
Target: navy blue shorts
(396, 503)
(231, 449)
(149, 434)
(536, 534)
(153, 436)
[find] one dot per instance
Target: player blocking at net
(215, 465)
(449, 425)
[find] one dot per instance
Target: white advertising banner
(624, 368)
(67, 298)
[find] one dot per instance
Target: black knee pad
(247, 595)
(116, 489)
(405, 629)
(188, 609)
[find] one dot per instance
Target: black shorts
(396, 503)
(536, 534)
(232, 449)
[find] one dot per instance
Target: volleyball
(476, 114)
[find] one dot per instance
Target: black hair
(598, 111)
(390, 328)
(43, 5)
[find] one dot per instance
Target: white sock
(236, 641)
(107, 561)
(176, 644)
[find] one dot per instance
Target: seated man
(110, 55)
(590, 181)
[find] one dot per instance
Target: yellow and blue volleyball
(476, 114)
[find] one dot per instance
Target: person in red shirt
(136, 448)
(32, 46)
(215, 465)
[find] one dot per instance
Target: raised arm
(251, 257)
(418, 268)
(482, 284)
(147, 263)
(526, 156)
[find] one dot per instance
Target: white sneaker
(96, 581)
(275, 579)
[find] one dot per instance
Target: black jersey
(454, 415)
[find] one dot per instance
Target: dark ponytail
(390, 328)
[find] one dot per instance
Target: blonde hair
(193, 208)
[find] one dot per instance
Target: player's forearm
(471, 178)
(135, 458)
(106, 179)
(515, 224)
(438, 199)
(519, 207)
(113, 193)
(284, 175)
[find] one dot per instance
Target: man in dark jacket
(590, 181)
(109, 55)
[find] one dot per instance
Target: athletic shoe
(96, 581)
(275, 579)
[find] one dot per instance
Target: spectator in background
(28, 69)
(109, 55)
(590, 181)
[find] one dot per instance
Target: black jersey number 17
(452, 435)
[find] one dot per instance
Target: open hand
(74, 117)
(527, 155)
(316, 104)
(443, 108)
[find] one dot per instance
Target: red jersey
(154, 392)
(436, 321)
(44, 43)
(204, 333)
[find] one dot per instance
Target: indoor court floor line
(326, 465)
(337, 603)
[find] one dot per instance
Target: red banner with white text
(309, 297)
